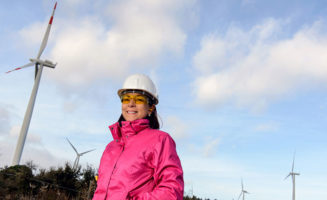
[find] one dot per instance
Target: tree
(63, 180)
(15, 181)
(30, 164)
(191, 198)
(88, 182)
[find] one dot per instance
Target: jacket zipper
(114, 169)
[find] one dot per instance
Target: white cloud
(267, 127)
(253, 68)
(31, 36)
(30, 138)
(40, 155)
(4, 120)
(89, 50)
(69, 106)
(14, 131)
(176, 127)
(34, 149)
(211, 147)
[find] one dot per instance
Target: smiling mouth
(131, 112)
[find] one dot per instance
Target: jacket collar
(128, 128)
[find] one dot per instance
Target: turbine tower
(39, 64)
(243, 192)
(78, 155)
(293, 174)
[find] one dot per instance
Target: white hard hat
(140, 82)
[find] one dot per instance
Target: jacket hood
(128, 128)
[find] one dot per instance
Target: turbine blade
(239, 196)
(287, 176)
(86, 152)
(46, 35)
(72, 146)
(293, 162)
(21, 67)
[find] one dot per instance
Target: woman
(141, 162)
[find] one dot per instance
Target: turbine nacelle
(46, 63)
(292, 174)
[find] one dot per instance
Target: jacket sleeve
(168, 173)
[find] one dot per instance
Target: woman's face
(134, 109)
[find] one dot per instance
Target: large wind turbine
(39, 64)
(78, 155)
(293, 174)
(243, 192)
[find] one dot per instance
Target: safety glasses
(138, 99)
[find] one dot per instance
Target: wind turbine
(78, 155)
(242, 191)
(39, 64)
(293, 174)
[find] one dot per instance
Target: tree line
(26, 182)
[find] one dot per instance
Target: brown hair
(153, 119)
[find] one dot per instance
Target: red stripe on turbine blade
(51, 19)
(13, 70)
(50, 22)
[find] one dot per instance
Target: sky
(242, 86)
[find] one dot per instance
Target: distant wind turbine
(293, 174)
(39, 64)
(78, 155)
(243, 192)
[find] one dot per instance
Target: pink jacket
(139, 164)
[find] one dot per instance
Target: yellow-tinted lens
(141, 99)
(138, 99)
(125, 100)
